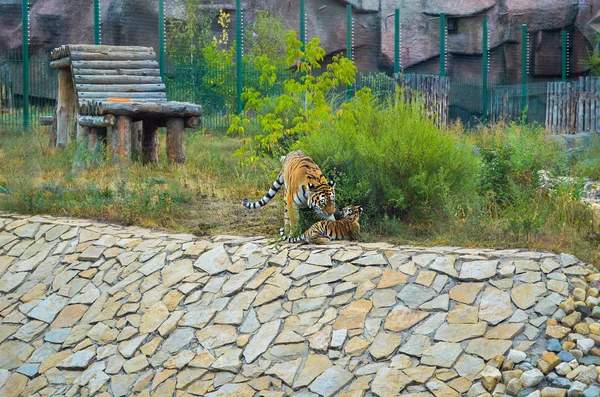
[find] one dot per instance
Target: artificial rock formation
(133, 22)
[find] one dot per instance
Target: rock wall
(91, 309)
(56, 22)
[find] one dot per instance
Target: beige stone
(215, 336)
(401, 318)
(463, 314)
(69, 316)
(14, 385)
(153, 318)
(353, 315)
(356, 346)
(268, 294)
(389, 382)
(488, 348)
(557, 332)
(425, 277)
(527, 295)
(495, 305)
(490, 377)
(505, 331)
(420, 373)
(391, 278)
(460, 332)
(548, 362)
(315, 365)
(384, 345)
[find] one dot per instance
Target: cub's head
(321, 199)
(352, 212)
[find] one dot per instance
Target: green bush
(392, 159)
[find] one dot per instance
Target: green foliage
(303, 106)
(202, 67)
(265, 36)
(593, 60)
(391, 158)
(187, 37)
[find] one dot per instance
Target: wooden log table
(116, 95)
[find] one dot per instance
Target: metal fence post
(302, 25)
(396, 42)
(161, 37)
(564, 55)
(484, 73)
(238, 54)
(97, 38)
(442, 44)
(25, 50)
(524, 66)
(349, 32)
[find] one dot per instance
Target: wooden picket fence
(505, 103)
(433, 90)
(574, 106)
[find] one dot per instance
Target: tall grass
(37, 179)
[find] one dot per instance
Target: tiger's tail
(290, 239)
(270, 194)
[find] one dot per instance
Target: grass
(204, 196)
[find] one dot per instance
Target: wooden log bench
(116, 95)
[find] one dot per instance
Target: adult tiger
(305, 187)
(324, 231)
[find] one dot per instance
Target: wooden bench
(116, 94)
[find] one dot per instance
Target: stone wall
(56, 22)
(96, 309)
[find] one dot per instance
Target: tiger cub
(325, 231)
(305, 187)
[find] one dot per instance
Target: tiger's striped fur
(324, 231)
(305, 187)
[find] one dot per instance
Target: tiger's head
(352, 212)
(322, 199)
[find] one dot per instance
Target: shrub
(391, 158)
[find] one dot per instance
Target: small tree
(265, 36)
(188, 36)
(303, 106)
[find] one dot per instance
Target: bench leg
(150, 141)
(82, 133)
(176, 141)
(66, 109)
(121, 139)
(136, 140)
(93, 139)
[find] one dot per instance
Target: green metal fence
(28, 86)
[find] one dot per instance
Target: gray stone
(214, 261)
(532, 378)
(441, 354)
(415, 345)
(78, 360)
(48, 309)
(414, 295)
(260, 342)
(478, 270)
(331, 381)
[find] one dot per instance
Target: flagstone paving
(91, 309)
